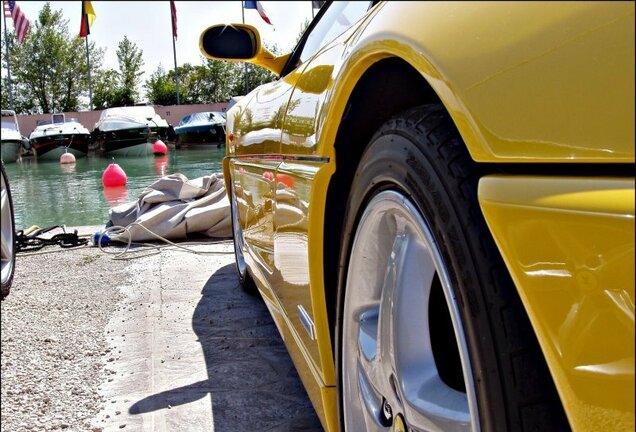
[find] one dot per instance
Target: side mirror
(239, 42)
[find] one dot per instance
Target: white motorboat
(126, 131)
(51, 138)
(13, 143)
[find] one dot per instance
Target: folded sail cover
(175, 207)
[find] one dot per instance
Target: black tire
(420, 156)
(246, 281)
(8, 235)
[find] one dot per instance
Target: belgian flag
(88, 16)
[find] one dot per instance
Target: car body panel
(524, 82)
(550, 91)
(256, 120)
(569, 246)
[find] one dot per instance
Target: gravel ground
(75, 317)
(53, 341)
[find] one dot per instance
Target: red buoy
(114, 176)
(159, 148)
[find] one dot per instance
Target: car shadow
(251, 379)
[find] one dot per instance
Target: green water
(46, 193)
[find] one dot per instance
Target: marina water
(47, 193)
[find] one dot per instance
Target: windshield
(48, 122)
(144, 112)
(9, 125)
(202, 117)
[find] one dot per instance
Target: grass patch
(88, 259)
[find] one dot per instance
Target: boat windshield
(48, 122)
(202, 117)
(140, 112)
(9, 125)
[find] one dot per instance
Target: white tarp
(174, 207)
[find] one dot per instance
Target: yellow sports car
(436, 202)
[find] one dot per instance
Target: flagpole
(6, 38)
(88, 71)
(176, 74)
(244, 64)
(174, 52)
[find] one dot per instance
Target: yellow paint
(263, 56)
(525, 82)
(569, 246)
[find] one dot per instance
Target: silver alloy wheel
(387, 356)
(7, 245)
(238, 239)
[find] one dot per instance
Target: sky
(148, 25)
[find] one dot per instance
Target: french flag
(259, 7)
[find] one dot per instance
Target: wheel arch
(386, 88)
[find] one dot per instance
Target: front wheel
(431, 330)
(245, 279)
(7, 242)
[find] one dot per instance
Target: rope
(119, 230)
(32, 242)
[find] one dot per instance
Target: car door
(303, 162)
(255, 150)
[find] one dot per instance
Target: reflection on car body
(436, 202)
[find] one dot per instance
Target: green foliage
(160, 90)
(49, 68)
(217, 80)
(105, 89)
(301, 32)
(113, 88)
(211, 82)
(130, 62)
(251, 77)
(49, 73)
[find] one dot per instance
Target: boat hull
(10, 150)
(126, 142)
(197, 136)
(53, 146)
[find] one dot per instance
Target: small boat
(201, 128)
(127, 131)
(52, 138)
(13, 144)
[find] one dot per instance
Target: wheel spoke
(4, 198)
(6, 248)
(371, 399)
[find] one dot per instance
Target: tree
(218, 80)
(49, 67)
(251, 76)
(160, 90)
(105, 89)
(303, 28)
(211, 82)
(130, 62)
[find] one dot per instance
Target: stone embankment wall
(171, 113)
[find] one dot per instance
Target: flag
(317, 4)
(173, 12)
(20, 22)
(259, 7)
(88, 16)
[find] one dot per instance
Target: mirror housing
(239, 43)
